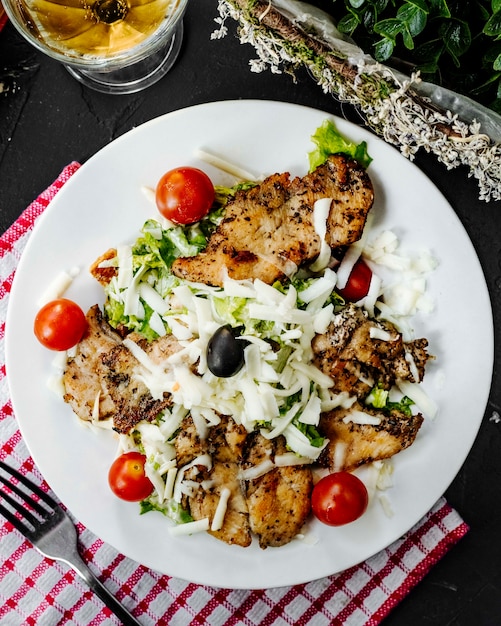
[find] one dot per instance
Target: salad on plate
(254, 355)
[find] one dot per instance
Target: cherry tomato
(60, 324)
(184, 195)
(357, 286)
(127, 478)
(339, 498)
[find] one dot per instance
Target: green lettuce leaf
(329, 141)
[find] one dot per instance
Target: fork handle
(82, 569)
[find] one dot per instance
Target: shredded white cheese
(339, 456)
(321, 210)
(418, 395)
(386, 504)
(190, 528)
(251, 473)
(352, 255)
(360, 417)
(288, 459)
(379, 333)
(224, 165)
(58, 287)
(222, 505)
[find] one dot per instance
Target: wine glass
(112, 46)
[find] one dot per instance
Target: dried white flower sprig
(287, 35)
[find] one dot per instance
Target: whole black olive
(225, 353)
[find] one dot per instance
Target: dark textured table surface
(48, 120)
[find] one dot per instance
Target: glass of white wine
(112, 46)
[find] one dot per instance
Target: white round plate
(104, 204)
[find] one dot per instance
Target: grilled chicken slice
(83, 386)
(351, 445)
(103, 371)
(188, 443)
(267, 232)
(358, 352)
(132, 398)
(224, 443)
(235, 529)
(118, 370)
(279, 500)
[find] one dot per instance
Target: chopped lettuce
(169, 508)
(231, 310)
(152, 254)
(224, 193)
(158, 247)
(378, 398)
(403, 405)
(330, 141)
(311, 432)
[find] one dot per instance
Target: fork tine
(15, 521)
(29, 484)
(24, 496)
(28, 516)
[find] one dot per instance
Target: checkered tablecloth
(3, 16)
(36, 591)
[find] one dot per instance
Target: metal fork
(51, 531)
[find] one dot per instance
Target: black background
(47, 120)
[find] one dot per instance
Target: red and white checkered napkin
(36, 591)
(3, 16)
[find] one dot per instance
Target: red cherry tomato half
(127, 478)
(357, 286)
(60, 324)
(184, 195)
(339, 498)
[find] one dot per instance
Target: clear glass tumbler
(112, 46)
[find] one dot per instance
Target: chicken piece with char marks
(279, 501)
(224, 444)
(120, 373)
(102, 379)
(358, 352)
(268, 231)
(84, 389)
(351, 444)
(273, 506)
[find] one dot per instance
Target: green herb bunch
(453, 44)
